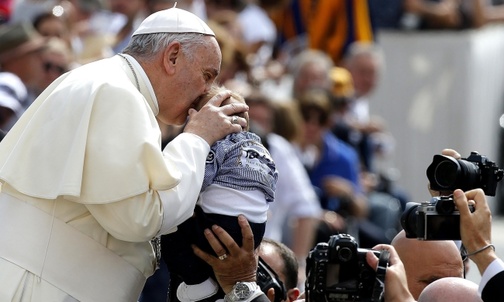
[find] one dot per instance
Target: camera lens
(409, 219)
(446, 173)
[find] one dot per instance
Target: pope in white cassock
(85, 184)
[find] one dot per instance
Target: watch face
(242, 291)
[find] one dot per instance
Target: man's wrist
(243, 292)
(483, 259)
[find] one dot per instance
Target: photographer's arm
(475, 227)
(396, 286)
(475, 230)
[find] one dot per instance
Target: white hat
(173, 20)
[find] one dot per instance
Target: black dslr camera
(337, 271)
(447, 174)
(437, 219)
(267, 278)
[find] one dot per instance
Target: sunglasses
(48, 66)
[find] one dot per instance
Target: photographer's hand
(396, 286)
(240, 263)
(475, 227)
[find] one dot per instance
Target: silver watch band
(255, 292)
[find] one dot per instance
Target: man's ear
(293, 294)
(171, 56)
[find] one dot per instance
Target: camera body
(476, 171)
(338, 271)
(267, 278)
(437, 219)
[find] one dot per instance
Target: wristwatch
(243, 291)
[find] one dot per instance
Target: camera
(437, 219)
(337, 271)
(267, 278)
(476, 171)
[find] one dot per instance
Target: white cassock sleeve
(159, 212)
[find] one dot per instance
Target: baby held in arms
(240, 178)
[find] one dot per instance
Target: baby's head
(234, 98)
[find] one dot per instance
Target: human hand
(475, 227)
(396, 285)
(213, 121)
(240, 263)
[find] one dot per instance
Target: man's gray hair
(369, 49)
(147, 46)
(307, 57)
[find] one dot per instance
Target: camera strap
(379, 286)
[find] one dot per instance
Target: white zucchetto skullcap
(173, 20)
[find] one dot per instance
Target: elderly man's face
(193, 77)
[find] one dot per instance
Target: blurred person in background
(21, 70)
(332, 165)
(91, 26)
(365, 62)
(384, 198)
(310, 69)
(82, 23)
(76, 23)
(50, 25)
(235, 70)
(259, 31)
(342, 95)
(134, 12)
(57, 59)
(336, 173)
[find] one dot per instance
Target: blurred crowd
(306, 68)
